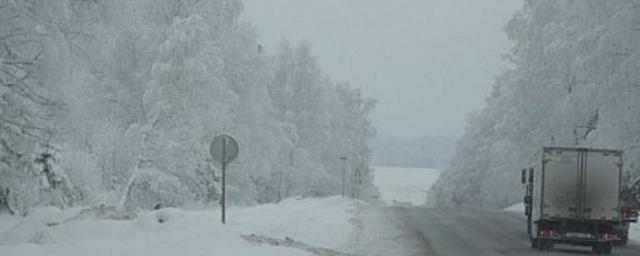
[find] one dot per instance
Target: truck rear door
(601, 179)
(560, 187)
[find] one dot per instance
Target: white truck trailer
(572, 196)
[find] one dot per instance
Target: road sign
(224, 149)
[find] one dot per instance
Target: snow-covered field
(404, 185)
(49, 231)
(291, 227)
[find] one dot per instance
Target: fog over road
(409, 231)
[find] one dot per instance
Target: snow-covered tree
(116, 102)
(574, 82)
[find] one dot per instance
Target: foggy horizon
(428, 69)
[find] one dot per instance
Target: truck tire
(597, 249)
(548, 245)
(534, 243)
(542, 244)
(602, 248)
(624, 241)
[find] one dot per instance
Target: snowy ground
(296, 225)
(403, 185)
(519, 207)
(292, 227)
(635, 232)
(378, 231)
(320, 222)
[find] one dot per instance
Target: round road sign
(224, 149)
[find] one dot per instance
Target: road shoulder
(379, 231)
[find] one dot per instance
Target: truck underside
(594, 233)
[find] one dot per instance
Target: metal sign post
(344, 173)
(224, 149)
(357, 181)
(224, 179)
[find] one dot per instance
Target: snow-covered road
(379, 230)
(414, 230)
(326, 227)
(404, 185)
(404, 229)
(479, 233)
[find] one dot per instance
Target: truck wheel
(602, 248)
(550, 245)
(544, 245)
(624, 241)
(596, 249)
(541, 244)
(534, 243)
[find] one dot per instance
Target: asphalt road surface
(461, 232)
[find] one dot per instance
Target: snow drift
(323, 223)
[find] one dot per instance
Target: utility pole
(344, 173)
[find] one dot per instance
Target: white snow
(635, 232)
(319, 222)
(404, 185)
(378, 229)
(519, 207)
(49, 231)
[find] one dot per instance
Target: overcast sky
(428, 62)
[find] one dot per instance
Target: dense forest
(116, 102)
(574, 80)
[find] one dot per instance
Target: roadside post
(357, 181)
(224, 149)
(344, 173)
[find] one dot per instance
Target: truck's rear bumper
(582, 240)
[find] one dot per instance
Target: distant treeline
(425, 151)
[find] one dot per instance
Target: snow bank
(24, 229)
(49, 231)
(635, 232)
(6, 223)
(403, 185)
(320, 222)
(519, 207)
